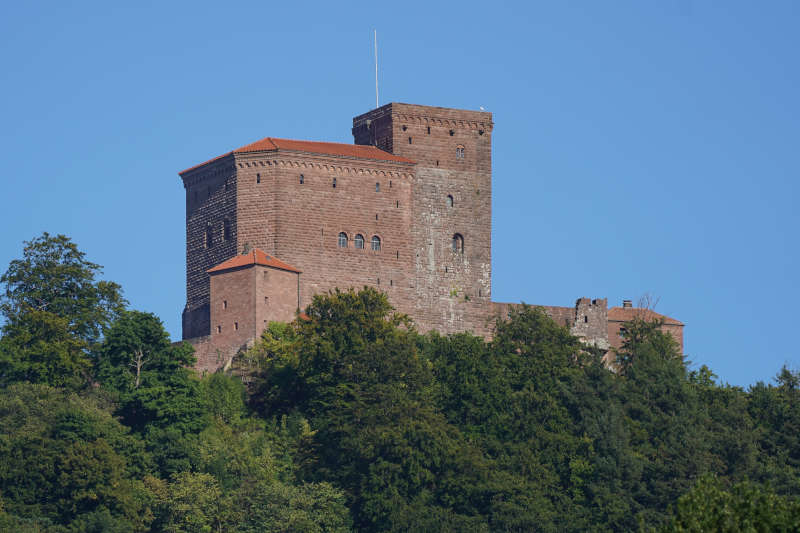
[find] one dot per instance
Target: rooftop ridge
(254, 257)
(275, 144)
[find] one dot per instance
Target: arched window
(449, 200)
(343, 240)
(209, 236)
(376, 243)
(459, 152)
(458, 243)
(359, 240)
(302, 179)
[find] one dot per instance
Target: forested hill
(352, 421)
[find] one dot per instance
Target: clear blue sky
(638, 146)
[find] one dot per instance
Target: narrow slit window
(429, 130)
(377, 187)
(376, 243)
(258, 178)
(458, 243)
(409, 140)
(236, 326)
(224, 304)
(302, 179)
(209, 236)
(334, 183)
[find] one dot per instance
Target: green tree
(665, 420)
(272, 362)
(54, 311)
(775, 410)
(357, 374)
(159, 396)
(66, 461)
(54, 276)
(744, 507)
(189, 503)
(39, 347)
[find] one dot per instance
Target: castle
(405, 209)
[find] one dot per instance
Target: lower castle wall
(196, 322)
(211, 355)
(588, 320)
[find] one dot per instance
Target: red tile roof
(271, 144)
(256, 257)
(626, 314)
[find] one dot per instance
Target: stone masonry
(406, 209)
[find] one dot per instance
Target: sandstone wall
(210, 202)
(451, 196)
(300, 223)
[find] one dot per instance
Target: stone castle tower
(406, 209)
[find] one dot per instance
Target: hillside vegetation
(353, 421)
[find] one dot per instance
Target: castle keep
(406, 209)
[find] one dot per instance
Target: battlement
(434, 137)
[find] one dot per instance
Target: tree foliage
(746, 506)
(348, 419)
(54, 276)
(54, 311)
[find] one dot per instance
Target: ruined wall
(587, 320)
(210, 201)
(451, 196)
(591, 321)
